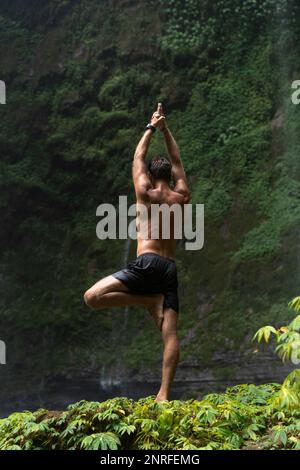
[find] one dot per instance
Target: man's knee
(90, 298)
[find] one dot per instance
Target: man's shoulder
(177, 197)
(156, 197)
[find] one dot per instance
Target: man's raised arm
(141, 180)
(178, 173)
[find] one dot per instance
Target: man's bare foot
(161, 397)
(157, 310)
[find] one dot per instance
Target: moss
(81, 81)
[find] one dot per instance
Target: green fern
(101, 441)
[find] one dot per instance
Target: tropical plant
(241, 417)
(288, 348)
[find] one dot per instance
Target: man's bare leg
(171, 353)
(110, 292)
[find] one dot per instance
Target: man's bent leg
(92, 296)
(110, 292)
(105, 285)
(171, 353)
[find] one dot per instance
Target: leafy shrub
(235, 419)
(288, 348)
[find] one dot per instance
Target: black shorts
(150, 273)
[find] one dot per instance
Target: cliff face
(82, 79)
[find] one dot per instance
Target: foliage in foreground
(243, 417)
(288, 348)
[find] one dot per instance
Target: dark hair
(160, 168)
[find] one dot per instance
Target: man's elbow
(187, 197)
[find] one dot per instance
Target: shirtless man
(151, 279)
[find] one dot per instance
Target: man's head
(160, 168)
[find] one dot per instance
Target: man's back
(156, 220)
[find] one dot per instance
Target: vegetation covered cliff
(82, 79)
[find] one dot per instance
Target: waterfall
(125, 261)
(285, 18)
